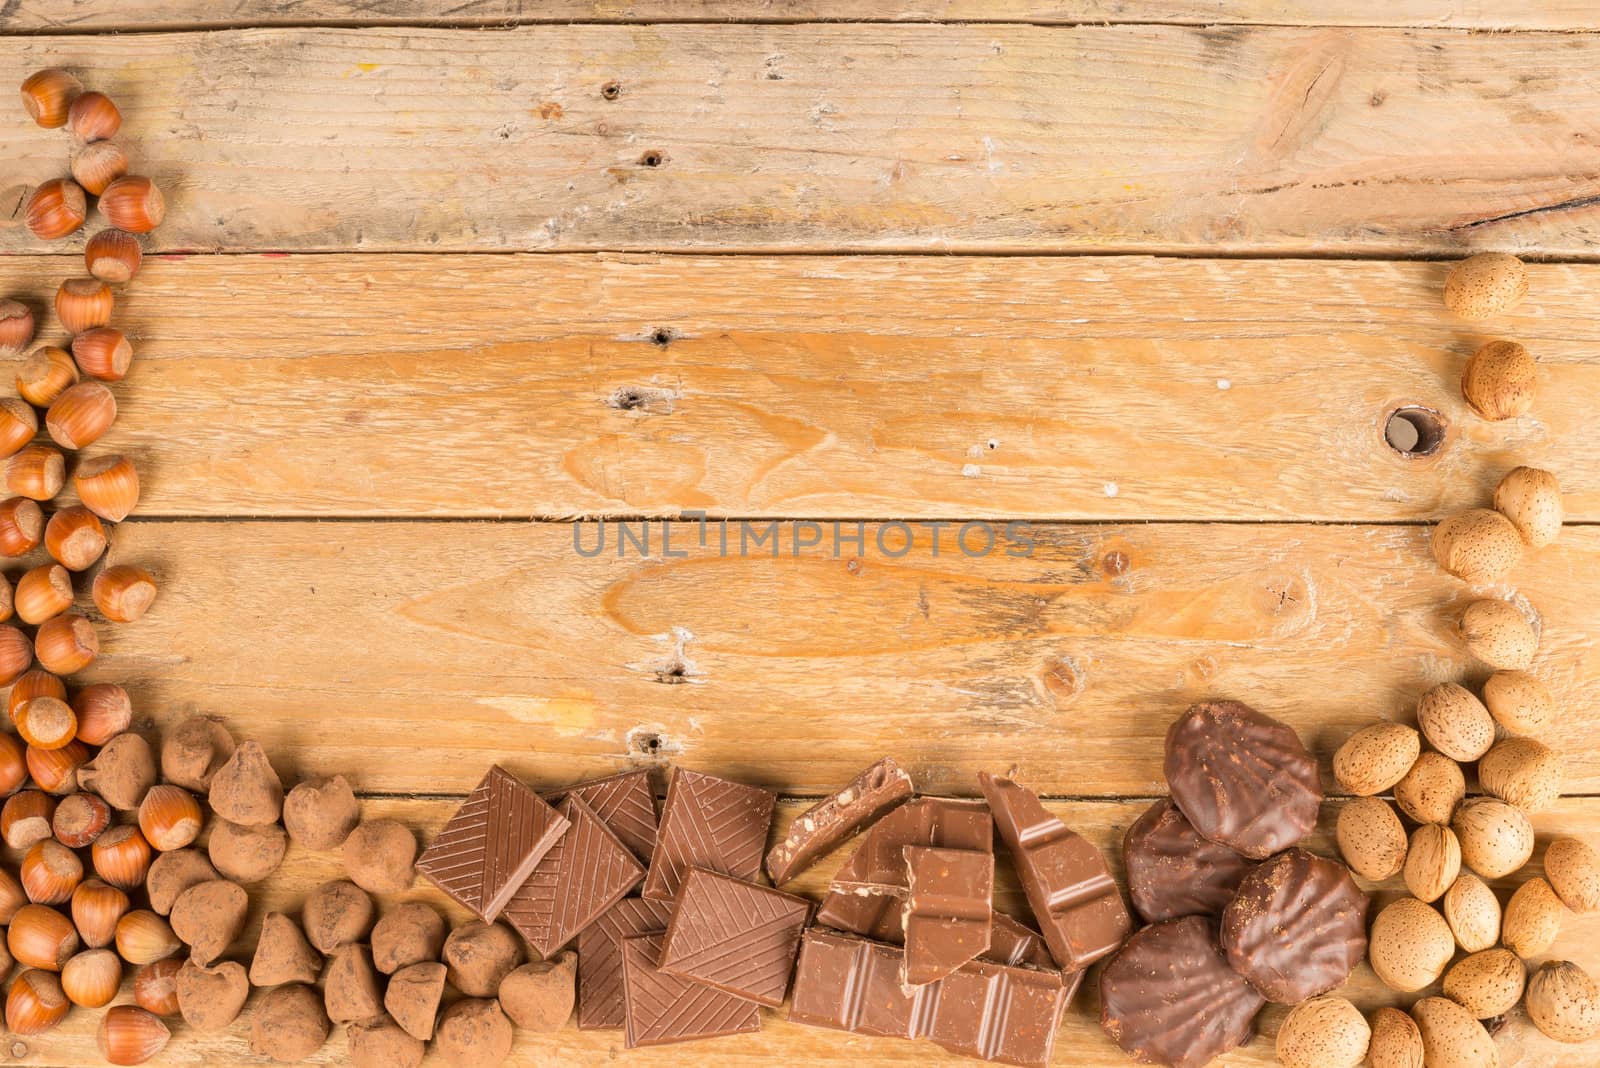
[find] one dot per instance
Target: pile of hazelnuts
(71, 765)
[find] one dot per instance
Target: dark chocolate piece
(948, 911)
(587, 871)
(1297, 926)
(1075, 900)
(600, 995)
(878, 866)
(708, 823)
(1168, 996)
(627, 804)
(736, 936)
(880, 918)
(824, 826)
(496, 838)
(1173, 871)
(663, 1009)
(997, 1013)
(1242, 778)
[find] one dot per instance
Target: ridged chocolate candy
(1173, 871)
(1297, 927)
(1168, 996)
(1242, 778)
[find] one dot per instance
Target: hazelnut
(48, 96)
(56, 209)
(95, 166)
(16, 327)
(133, 203)
(83, 304)
(93, 117)
(113, 256)
(108, 486)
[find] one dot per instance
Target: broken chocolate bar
(736, 936)
(824, 826)
(708, 823)
(584, 874)
(626, 803)
(1075, 901)
(496, 838)
(994, 1012)
(600, 1001)
(948, 911)
(879, 917)
(878, 866)
(663, 1009)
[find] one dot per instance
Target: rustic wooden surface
(99, 16)
(334, 643)
(868, 137)
(1080, 1044)
(821, 387)
(364, 430)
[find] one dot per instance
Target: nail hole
(1414, 431)
(611, 90)
(627, 399)
(652, 159)
(662, 336)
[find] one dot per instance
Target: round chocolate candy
(1168, 996)
(1297, 926)
(1173, 872)
(1241, 778)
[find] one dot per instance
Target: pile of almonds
(1458, 843)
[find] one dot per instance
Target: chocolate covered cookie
(1241, 778)
(1173, 871)
(1297, 926)
(1168, 996)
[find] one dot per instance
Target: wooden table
(439, 279)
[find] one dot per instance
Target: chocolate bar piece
(1173, 871)
(1242, 778)
(600, 1000)
(878, 866)
(880, 918)
(994, 1012)
(736, 936)
(1297, 927)
(821, 828)
(496, 838)
(947, 913)
(584, 874)
(1074, 899)
(708, 823)
(1168, 997)
(663, 1009)
(626, 803)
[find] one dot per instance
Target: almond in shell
(1564, 1002)
(1496, 838)
(1533, 919)
(1486, 984)
(1473, 912)
(1432, 789)
(1499, 635)
(1371, 838)
(1520, 703)
(1452, 1037)
(1432, 862)
(1376, 757)
(1396, 1042)
(1455, 722)
(1523, 772)
(1531, 498)
(1410, 945)
(1480, 546)
(1573, 868)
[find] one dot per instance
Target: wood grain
(99, 16)
(823, 387)
(1080, 1043)
(828, 137)
(352, 644)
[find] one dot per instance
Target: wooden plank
(879, 137)
(98, 16)
(352, 644)
(1080, 1043)
(825, 387)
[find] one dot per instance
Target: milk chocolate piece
(663, 1009)
(947, 913)
(1075, 901)
(600, 995)
(1242, 778)
(1168, 996)
(736, 936)
(821, 828)
(496, 838)
(1297, 926)
(1173, 871)
(997, 1013)
(626, 803)
(708, 823)
(879, 917)
(878, 866)
(587, 872)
